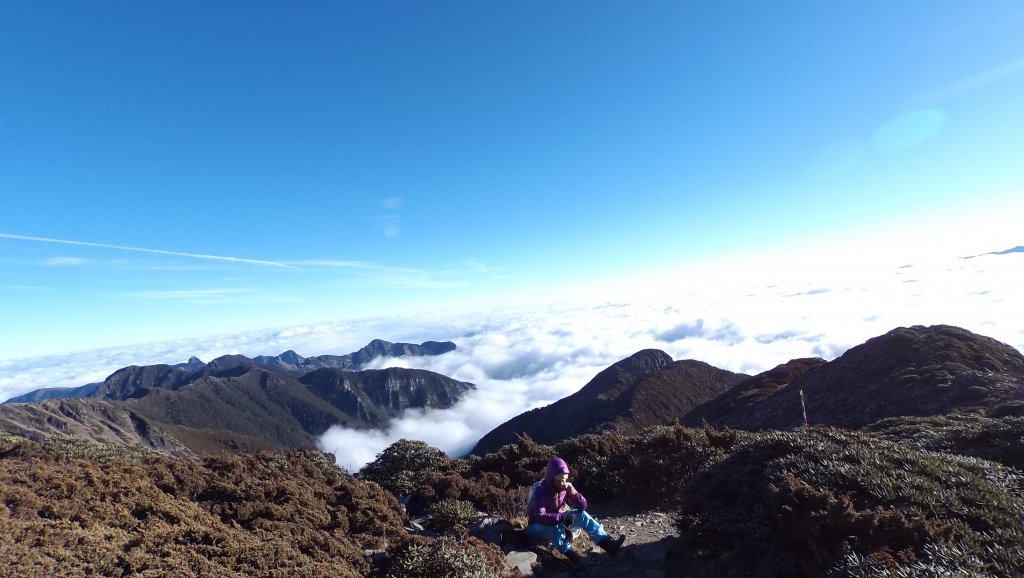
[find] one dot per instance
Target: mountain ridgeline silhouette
(287, 363)
(645, 389)
(237, 403)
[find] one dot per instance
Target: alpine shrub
(449, 556)
(446, 514)
(401, 467)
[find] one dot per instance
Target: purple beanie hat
(556, 467)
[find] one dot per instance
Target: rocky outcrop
(377, 395)
(135, 381)
(293, 364)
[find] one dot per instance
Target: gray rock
(491, 529)
(522, 561)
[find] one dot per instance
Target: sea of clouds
(745, 319)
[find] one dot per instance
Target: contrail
(144, 250)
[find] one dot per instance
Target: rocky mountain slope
(293, 364)
(233, 407)
(648, 388)
(909, 371)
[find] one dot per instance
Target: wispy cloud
(390, 225)
(480, 267)
(24, 287)
(334, 264)
(65, 261)
(144, 250)
(381, 275)
(210, 296)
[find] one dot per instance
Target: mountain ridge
(909, 371)
(288, 363)
(236, 403)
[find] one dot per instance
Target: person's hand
(568, 519)
(571, 489)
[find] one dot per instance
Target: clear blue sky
(178, 168)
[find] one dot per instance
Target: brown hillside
(910, 371)
(663, 396)
(231, 516)
(749, 393)
(242, 407)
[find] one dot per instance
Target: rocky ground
(649, 536)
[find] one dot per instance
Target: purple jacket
(546, 505)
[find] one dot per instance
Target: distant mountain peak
(644, 389)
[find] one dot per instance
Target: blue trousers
(557, 535)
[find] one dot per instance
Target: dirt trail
(649, 536)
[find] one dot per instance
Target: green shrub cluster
(996, 439)
(489, 491)
(645, 470)
(522, 462)
(821, 500)
(78, 447)
(400, 468)
(449, 556)
(448, 513)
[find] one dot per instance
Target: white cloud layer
(744, 319)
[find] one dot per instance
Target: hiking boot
(575, 558)
(612, 545)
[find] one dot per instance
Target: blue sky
(170, 170)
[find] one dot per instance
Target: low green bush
(448, 556)
(820, 500)
(401, 467)
(78, 447)
(447, 513)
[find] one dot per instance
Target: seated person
(556, 509)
